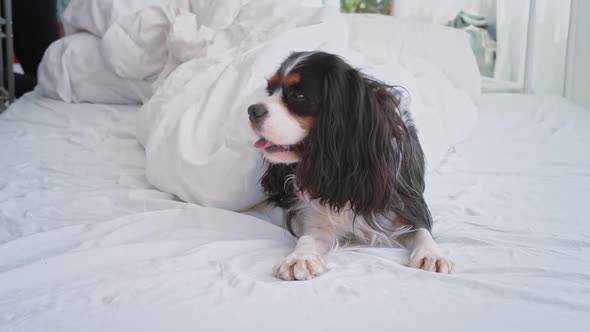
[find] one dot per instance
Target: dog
(344, 163)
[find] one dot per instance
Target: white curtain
(550, 46)
(511, 30)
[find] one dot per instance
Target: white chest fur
(343, 226)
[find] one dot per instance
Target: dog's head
(352, 145)
(294, 103)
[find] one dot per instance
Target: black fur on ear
(360, 154)
(278, 185)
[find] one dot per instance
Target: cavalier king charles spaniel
(344, 162)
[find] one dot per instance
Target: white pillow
(195, 128)
(95, 16)
(74, 71)
(216, 14)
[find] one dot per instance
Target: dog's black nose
(257, 111)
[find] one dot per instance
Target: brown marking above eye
(292, 78)
(274, 80)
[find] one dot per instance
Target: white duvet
(197, 65)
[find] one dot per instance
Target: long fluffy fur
(360, 154)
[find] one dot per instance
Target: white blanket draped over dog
(197, 65)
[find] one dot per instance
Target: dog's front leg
(424, 252)
(307, 261)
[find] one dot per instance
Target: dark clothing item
(23, 84)
(35, 27)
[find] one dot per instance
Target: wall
(577, 85)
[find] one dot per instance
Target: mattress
(87, 244)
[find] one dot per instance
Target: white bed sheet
(86, 244)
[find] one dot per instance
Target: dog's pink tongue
(263, 144)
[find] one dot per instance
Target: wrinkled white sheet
(206, 62)
(87, 244)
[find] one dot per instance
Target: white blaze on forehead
(292, 63)
(280, 127)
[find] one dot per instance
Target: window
(519, 45)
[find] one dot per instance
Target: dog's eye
(298, 95)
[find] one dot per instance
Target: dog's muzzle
(257, 113)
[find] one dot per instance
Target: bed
(89, 245)
(88, 242)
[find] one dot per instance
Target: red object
(15, 59)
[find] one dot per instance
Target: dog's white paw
(299, 266)
(431, 261)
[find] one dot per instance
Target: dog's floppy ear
(277, 186)
(360, 155)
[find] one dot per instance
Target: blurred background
(520, 45)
